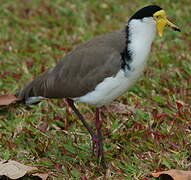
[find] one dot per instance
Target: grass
(35, 35)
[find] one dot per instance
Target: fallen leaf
(7, 99)
(119, 108)
(173, 174)
(15, 170)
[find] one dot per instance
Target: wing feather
(80, 70)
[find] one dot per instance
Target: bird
(100, 70)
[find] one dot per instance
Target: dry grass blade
(42, 176)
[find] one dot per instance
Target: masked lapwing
(99, 70)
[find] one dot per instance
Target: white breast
(141, 35)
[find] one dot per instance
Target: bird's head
(157, 15)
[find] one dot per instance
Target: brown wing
(79, 72)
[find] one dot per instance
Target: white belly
(110, 88)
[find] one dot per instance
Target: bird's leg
(93, 136)
(99, 144)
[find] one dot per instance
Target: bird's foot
(97, 150)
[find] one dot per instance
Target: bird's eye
(157, 17)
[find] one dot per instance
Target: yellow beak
(162, 21)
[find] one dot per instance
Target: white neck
(141, 35)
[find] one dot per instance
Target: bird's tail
(33, 92)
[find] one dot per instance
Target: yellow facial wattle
(162, 21)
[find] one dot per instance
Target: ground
(153, 134)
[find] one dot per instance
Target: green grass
(34, 35)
